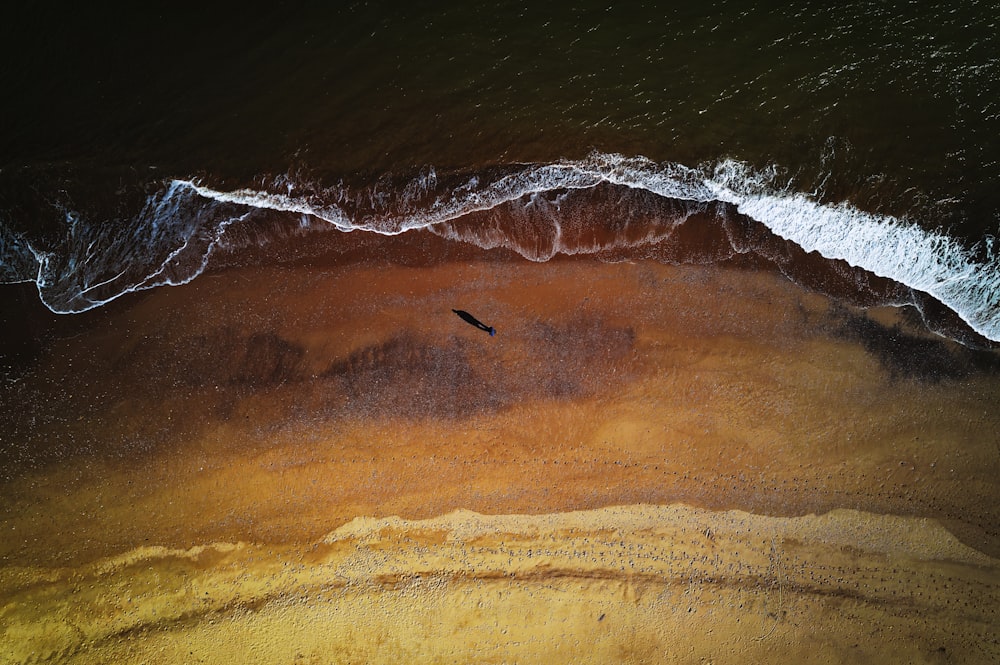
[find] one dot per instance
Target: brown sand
(267, 409)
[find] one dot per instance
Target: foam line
(176, 232)
(884, 245)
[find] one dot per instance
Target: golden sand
(621, 584)
(665, 464)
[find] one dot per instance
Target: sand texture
(648, 463)
(623, 584)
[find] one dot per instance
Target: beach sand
(321, 463)
(627, 584)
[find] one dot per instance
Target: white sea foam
(889, 247)
(886, 246)
(183, 215)
(169, 243)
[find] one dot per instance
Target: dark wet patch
(910, 356)
(408, 377)
(225, 358)
(131, 400)
(412, 377)
(269, 360)
(24, 330)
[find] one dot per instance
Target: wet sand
(197, 474)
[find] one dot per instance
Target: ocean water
(741, 267)
(137, 145)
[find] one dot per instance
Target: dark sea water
(139, 149)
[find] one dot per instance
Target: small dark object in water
(468, 318)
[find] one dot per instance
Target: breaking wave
(173, 237)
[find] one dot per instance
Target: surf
(172, 239)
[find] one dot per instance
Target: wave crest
(171, 239)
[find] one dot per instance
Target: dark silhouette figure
(468, 318)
